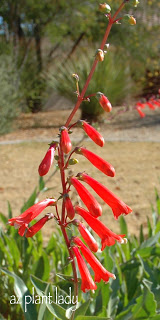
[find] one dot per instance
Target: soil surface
(132, 146)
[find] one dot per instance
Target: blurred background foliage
(38, 36)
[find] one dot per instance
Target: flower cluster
(152, 103)
(76, 248)
(118, 207)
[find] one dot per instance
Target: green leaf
(157, 201)
(42, 267)
(3, 218)
(82, 309)
(123, 226)
(145, 305)
(141, 235)
(151, 241)
(23, 294)
(1, 317)
(54, 307)
(44, 313)
(9, 210)
(30, 202)
(91, 318)
(149, 228)
(148, 252)
(12, 246)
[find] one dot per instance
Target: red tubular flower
(38, 225)
(141, 113)
(104, 102)
(107, 236)
(88, 238)
(99, 270)
(90, 202)
(98, 162)
(150, 105)
(156, 102)
(87, 281)
(118, 206)
(47, 160)
(21, 222)
(141, 105)
(69, 207)
(65, 140)
(92, 133)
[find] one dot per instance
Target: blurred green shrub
(111, 77)
(8, 94)
(26, 263)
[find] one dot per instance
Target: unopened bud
(73, 161)
(76, 76)
(104, 7)
(99, 55)
(106, 46)
(127, 18)
(136, 2)
(56, 157)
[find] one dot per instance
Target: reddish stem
(80, 98)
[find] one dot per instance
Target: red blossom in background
(141, 113)
(118, 206)
(87, 281)
(97, 161)
(38, 225)
(65, 140)
(104, 102)
(90, 202)
(88, 238)
(47, 160)
(108, 237)
(99, 270)
(91, 132)
(21, 222)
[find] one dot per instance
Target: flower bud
(104, 7)
(92, 132)
(104, 102)
(69, 207)
(47, 160)
(65, 140)
(127, 18)
(135, 3)
(73, 161)
(99, 55)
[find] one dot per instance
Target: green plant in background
(118, 86)
(26, 264)
(8, 96)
